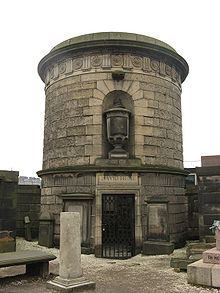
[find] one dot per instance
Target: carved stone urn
(117, 121)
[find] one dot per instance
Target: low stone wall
(8, 192)
(28, 204)
(193, 215)
(164, 199)
(208, 199)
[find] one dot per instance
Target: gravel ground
(140, 274)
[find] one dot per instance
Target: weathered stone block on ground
(156, 248)
(200, 273)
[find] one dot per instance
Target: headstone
(27, 228)
(46, 229)
(70, 270)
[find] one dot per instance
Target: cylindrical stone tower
(113, 142)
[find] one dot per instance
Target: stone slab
(157, 248)
(24, 257)
(211, 256)
(200, 273)
(180, 263)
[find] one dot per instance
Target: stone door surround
(117, 184)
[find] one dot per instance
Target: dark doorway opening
(118, 226)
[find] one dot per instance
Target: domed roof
(116, 40)
(107, 38)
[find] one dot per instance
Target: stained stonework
(73, 119)
(79, 87)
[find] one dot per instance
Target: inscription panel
(103, 179)
(211, 256)
(157, 221)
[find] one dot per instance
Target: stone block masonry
(208, 199)
(8, 200)
(82, 85)
(28, 204)
(75, 113)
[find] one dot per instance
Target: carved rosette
(128, 62)
(77, 63)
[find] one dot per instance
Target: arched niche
(127, 102)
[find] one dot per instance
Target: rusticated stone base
(73, 285)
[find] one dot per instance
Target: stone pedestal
(211, 256)
(200, 273)
(70, 271)
(207, 271)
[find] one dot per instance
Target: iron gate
(118, 232)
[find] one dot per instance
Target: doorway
(118, 226)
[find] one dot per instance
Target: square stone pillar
(70, 270)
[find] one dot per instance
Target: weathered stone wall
(193, 214)
(8, 198)
(208, 199)
(167, 191)
(28, 204)
(74, 113)
(59, 189)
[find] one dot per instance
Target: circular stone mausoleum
(113, 142)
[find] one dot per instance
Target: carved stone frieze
(129, 62)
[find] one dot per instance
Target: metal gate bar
(118, 226)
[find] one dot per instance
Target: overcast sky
(30, 29)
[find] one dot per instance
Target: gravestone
(46, 229)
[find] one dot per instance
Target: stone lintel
(72, 285)
(77, 196)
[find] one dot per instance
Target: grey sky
(30, 29)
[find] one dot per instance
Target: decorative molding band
(77, 196)
(128, 62)
(114, 179)
(93, 169)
